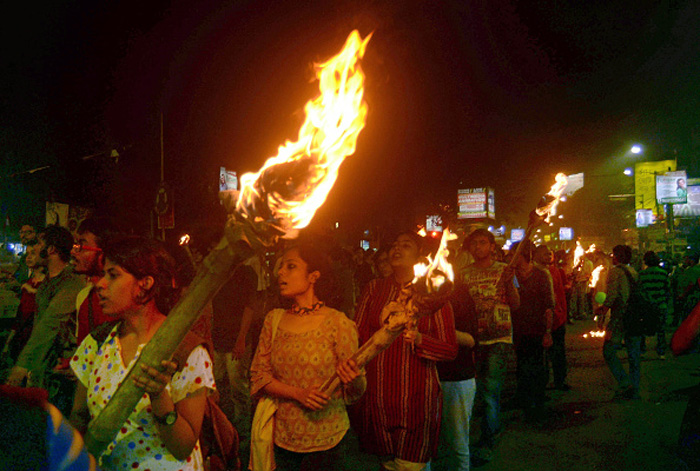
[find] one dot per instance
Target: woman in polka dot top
(163, 429)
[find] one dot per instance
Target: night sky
(499, 93)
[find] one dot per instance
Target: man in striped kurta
(656, 288)
(398, 418)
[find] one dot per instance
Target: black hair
(623, 253)
(651, 259)
(144, 257)
(419, 241)
(59, 238)
(102, 228)
(478, 233)
(316, 258)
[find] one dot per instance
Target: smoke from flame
(291, 186)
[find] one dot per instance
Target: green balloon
(600, 297)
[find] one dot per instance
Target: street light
(636, 149)
(629, 172)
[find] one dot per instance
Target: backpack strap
(630, 280)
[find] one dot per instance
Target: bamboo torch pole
(239, 242)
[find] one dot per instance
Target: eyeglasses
(87, 248)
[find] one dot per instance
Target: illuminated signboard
(228, 180)
(692, 208)
(566, 233)
(644, 217)
(516, 235)
(433, 223)
(645, 182)
(476, 203)
(672, 188)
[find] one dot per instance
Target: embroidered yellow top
(303, 360)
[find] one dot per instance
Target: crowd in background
(289, 319)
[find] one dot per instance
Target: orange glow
(550, 209)
(595, 276)
(295, 183)
(438, 269)
(594, 334)
(578, 254)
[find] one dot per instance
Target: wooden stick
(380, 341)
(239, 243)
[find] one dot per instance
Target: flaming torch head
(284, 195)
(436, 276)
(547, 205)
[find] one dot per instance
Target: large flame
(549, 203)
(438, 269)
(291, 186)
(595, 276)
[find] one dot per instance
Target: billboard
(672, 188)
(692, 207)
(516, 235)
(228, 180)
(433, 223)
(566, 233)
(644, 217)
(476, 203)
(645, 183)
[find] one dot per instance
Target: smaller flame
(185, 239)
(595, 275)
(552, 198)
(578, 254)
(591, 248)
(438, 269)
(594, 334)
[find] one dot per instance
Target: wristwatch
(168, 419)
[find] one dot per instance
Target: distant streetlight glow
(636, 149)
(629, 172)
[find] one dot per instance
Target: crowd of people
(287, 321)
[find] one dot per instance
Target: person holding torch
(398, 419)
(299, 349)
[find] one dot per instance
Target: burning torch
(275, 202)
(428, 291)
(545, 209)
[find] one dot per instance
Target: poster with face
(228, 180)
(672, 188)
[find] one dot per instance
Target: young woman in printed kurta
(311, 343)
(163, 429)
(398, 418)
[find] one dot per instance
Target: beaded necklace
(307, 311)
